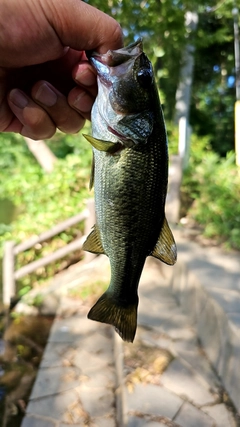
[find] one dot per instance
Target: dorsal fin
(165, 248)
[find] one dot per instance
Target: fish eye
(145, 77)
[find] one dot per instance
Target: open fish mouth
(117, 57)
(122, 59)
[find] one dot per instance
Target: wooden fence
(11, 250)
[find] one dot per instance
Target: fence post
(9, 288)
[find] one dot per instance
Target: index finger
(83, 27)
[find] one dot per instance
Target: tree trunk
(42, 153)
(183, 94)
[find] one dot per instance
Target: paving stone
(100, 342)
(56, 380)
(97, 402)
(104, 422)
(184, 382)
(186, 344)
(152, 399)
(189, 416)
(235, 319)
(177, 332)
(154, 313)
(58, 355)
(197, 362)
(101, 378)
(154, 424)
(71, 329)
(30, 421)
(141, 422)
(220, 414)
(67, 425)
(91, 362)
(228, 299)
(54, 406)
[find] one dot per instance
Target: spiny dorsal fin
(165, 248)
(93, 242)
(107, 146)
(123, 318)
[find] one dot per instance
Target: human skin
(46, 81)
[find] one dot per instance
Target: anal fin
(165, 248)
(93, 242)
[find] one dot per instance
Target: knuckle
(38, 125)
(38, 134)
(71, 125)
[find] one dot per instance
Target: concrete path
(206, 283)
(89, 377)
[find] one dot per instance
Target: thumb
(83, 27)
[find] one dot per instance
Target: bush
(42, 200)
(213, 184)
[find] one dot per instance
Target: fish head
(125, 93)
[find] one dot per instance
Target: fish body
(130, 180)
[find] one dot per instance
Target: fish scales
(130, 181)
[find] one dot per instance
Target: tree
(42, 153)
(213, 84)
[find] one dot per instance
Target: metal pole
(237, 77)
(236, 50)
(237, 132)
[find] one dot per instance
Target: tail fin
(124, 319)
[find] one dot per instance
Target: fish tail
(123, 318)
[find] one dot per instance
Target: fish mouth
(121, 59)
(116, 57)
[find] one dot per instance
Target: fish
(130, 178)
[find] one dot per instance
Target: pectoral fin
(107, 146)
(165, 248)
(93, 242)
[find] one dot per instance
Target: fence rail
(11, 250)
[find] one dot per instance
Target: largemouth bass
(130, 177)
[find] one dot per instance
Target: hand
(46, 81)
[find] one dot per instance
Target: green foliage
(213, 183)
(172, 134)
(14, 154)
(212, 107)
(42, 200)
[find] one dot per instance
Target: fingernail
(83, 102)
(85, 77)
(45, 95)
(18, 98)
